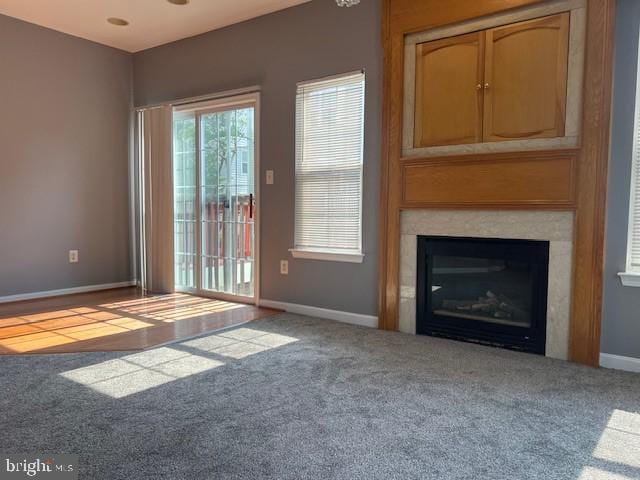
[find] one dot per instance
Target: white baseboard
(65, 291)
(337, 315)
(630, 364)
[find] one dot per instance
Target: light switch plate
(269, 175)
(284, 267)
(73, 256)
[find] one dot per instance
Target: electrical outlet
(73, 256)
(284, 267)
(269, 178)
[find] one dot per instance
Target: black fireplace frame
(535, 252)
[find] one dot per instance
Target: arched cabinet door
(448, 93)
(525, 79)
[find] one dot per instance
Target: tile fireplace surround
(555, 227)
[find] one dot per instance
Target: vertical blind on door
(329, 151)
(155, 199)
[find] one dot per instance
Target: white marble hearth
(555, 227)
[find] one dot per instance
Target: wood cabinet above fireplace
(525, 154)
(449, 79)
(503, 83)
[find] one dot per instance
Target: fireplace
(483, 290)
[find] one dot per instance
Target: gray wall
(621, 313)
(275, 51)
(64, 129)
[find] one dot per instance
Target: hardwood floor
(112, 320)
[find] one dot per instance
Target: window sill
(630, 279)
(327, 255)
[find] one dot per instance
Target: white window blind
(329, 139)
(633, 261)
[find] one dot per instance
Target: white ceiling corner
(151, 22)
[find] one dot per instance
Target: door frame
(211, 106)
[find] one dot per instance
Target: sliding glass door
(227, 200)
(184, 200)
(214, 158)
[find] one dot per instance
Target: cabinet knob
(487, 86)
(479, 86)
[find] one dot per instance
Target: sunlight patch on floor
(135, 373)
(39, 331)
(29, 333)
(173, 307)
(138, 372)
(620, 441)
(240, 343)
(591, 473)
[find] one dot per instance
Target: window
(329, 138)
(632, 275)
(244, 161)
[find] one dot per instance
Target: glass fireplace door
(215, 199)
(491, 291)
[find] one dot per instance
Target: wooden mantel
(569, 179)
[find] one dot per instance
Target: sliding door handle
(251, 205)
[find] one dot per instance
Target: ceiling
(151, 22)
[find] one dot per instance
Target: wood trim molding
(526, 184)
(507, 180)
(409, 16)
(586, 305)
(383, 292)
(589, 164)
